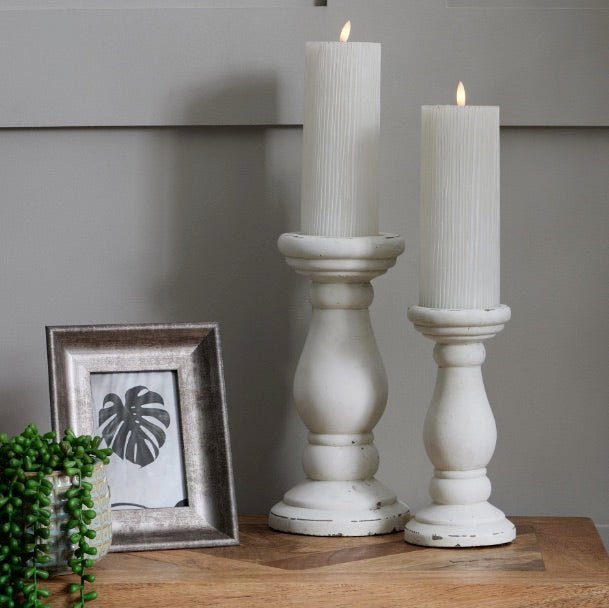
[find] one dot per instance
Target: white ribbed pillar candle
(459, 207)
(340, 139)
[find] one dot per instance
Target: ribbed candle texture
(459, 207)
(341, 138)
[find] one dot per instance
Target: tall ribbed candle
(459, 207)
(340, 139)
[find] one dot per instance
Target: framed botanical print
(155, 394)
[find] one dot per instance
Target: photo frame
(155, 393)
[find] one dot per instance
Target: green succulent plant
(25, 512)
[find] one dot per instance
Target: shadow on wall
(228, 210)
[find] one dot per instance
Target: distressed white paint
(459, 433)
(340, 391)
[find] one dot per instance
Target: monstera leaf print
(133, 430)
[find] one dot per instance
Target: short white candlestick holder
(459, 433)
(340, 391)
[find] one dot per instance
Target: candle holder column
(340, 391)
(459, 433)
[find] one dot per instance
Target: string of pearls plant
(27, 462)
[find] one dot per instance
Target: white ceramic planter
(340, 391)
(60, 547)
(459, 433)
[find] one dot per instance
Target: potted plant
(49, 493)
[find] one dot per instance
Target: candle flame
(460, 95)
(344, 33)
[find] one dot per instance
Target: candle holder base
(459, 433)
(339, 508)
(476, 525)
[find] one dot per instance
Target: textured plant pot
(60, 547)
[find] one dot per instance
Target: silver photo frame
(155, 393)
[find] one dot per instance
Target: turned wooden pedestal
(340, 391)
(459, 433)
(554, 562)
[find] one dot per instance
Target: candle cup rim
(306, 246)
(459, 317)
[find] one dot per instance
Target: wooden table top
(554, 562)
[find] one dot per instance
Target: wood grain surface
(554, 562)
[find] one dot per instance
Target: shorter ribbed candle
(341, 139)
(459, 207)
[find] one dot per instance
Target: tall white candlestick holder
(459, 433)
(340, 391)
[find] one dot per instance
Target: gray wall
(121, 225)
(112, 225)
